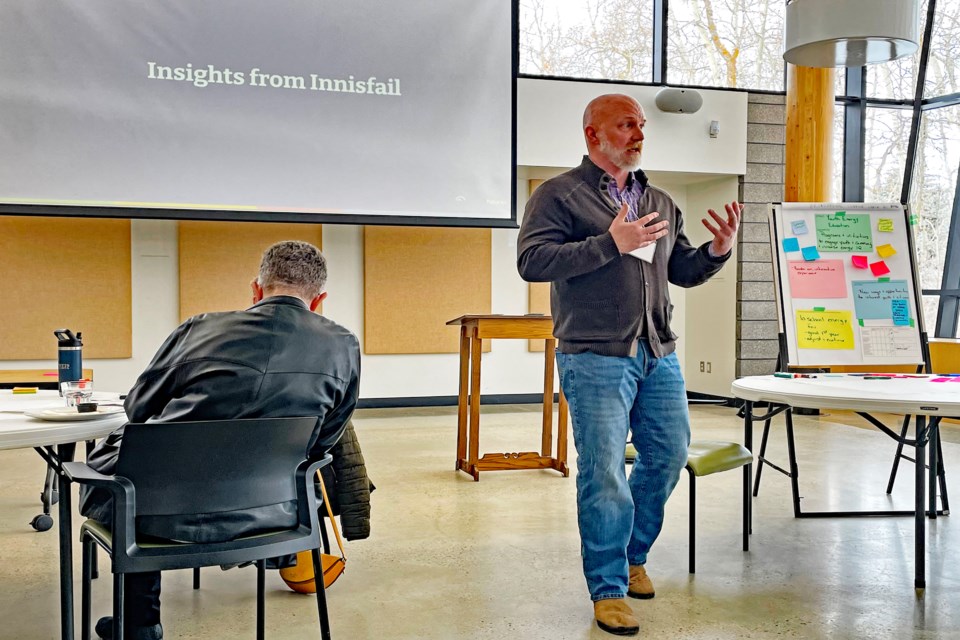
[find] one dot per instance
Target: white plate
(70, 414)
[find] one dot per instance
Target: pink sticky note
(879, 268)
(860, 262)
(820, 279)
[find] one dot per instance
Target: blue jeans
(609, 398)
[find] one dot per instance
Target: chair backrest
(213, 466)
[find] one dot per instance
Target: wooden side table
(473, 330)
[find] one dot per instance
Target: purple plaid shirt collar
(631, 194)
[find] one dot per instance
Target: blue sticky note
(799, 227)
(873, 300)
(791, 244)
(901, 316)
(810, 253)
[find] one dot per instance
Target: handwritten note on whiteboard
(824, 329)
(847, 233)
(821, 279)
(872, 300)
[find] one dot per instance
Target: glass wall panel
(885, 153)
(943, 66)
(726, 43)
(605, 39)
(897, 80)
(836, 190)
(931, 197)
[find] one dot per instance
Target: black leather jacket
(275, 359)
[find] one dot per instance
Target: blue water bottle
(69, 355)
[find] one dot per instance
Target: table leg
(476, 351)
(919, 533)
(65, 453)
(462, 399)
(546, 445)
(934, 425)
(747, 473)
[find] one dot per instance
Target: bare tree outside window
(603, 39)
(943, 67)
(931, 198)
(726, 43)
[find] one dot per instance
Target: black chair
(184, 468)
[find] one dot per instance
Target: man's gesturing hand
(636, 235)
(725, 233)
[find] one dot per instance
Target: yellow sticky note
(824, 329)
(884, 224)
(886, 250)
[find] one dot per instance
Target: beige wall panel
(538, 301)
(219, 259)
(69, 273)
(415, 279)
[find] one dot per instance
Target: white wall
(550, 139)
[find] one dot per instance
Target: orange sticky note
(886, 250)
(879, 268)
(860, 262)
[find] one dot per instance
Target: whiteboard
(846, 283)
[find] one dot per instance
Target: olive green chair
(705, 457)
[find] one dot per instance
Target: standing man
(276, 359)
(609, 242)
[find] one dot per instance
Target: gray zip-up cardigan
(599, 298)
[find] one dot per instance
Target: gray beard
(619, 158)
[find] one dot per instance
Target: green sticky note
(841, 214)
(860, 320)
(887, 279)
(914, 219)
(911, 322)
(840, 233)
(819, 308)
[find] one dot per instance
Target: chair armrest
(124, 499)
(80, 473)
(306, 494)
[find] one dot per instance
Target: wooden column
(809, 139)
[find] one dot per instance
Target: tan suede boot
(615, 616)
(640, 585)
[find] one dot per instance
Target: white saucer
(70, 414)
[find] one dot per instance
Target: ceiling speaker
(679, 100)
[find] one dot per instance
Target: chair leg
(261, 573)
(324, 538)
(321, 596)
(118, 604)
(899, 454)
(196, 577)
(85, 577)
(693, 520)
(94, 565)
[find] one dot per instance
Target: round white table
(56, 442)
(918, 396)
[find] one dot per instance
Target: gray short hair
(294, 264)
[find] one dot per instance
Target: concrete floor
(450, 558)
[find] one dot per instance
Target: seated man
(276, 359)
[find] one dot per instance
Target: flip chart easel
(847, 286)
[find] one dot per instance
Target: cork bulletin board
(415, 279)
(219, 259)
(65, 273)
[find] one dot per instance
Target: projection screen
(365, 111)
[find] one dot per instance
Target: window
(897, 80)
(943, 65)
(885, 153)
(726, 43)
(931, 197)
(604, 39)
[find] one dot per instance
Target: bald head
(601, 106)
(613, 130)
